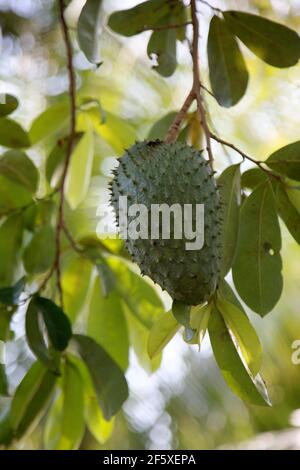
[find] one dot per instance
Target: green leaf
(11, 295)
(16, 166)
(162, 46)
(288, 212)
(12, 135)
(244, 333)
(39, 254)
(100, 429)
(105, 274)
(50, 122)
(56, 159)
(12, 196)
(76, 278)
(181, 313)
(89, 30)
(80, 170)
(56, 321)
(8, 104)
(226, 293)
(161, 333)
(72, 416)
(108, 379)
(230, 191)
(237, 377)
(118, 132)
(199, 316)
(272, 42)
(139, 296)
(6, 433)
(227, 69)
(35, 338)
(31, 399)
(144, 16)
(252, 178)
(10, 242)
(107, 325)
(3, 382)
(257, 267)
(286, 161)
(5, 319)
(160, 128)
(97, 425)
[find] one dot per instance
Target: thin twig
(175, 126)
(166, 26)
(211, 6)
(197, 81)
(71, 139)
(259, 163)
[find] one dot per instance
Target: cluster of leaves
(78, 379)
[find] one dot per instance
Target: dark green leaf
(57, 323)
(272, 42)
(144, 16)
(10, 242)
(288, 212)
(12, 196)
(6, 314)
(227, 69)
(161, 333)
(11, 295)
(107, 325)
(230, 191)
(35, 338)
(89, 30)
(109, 381)
(234, 372)
(16, 166)
(8, 103)
(30, 399)
(252, 178)
(286, 161)
(106, 275)
(181, 313)
(39, 254)
(162, 46)
(12, 135)
(3, 380)
(160, 128)
(6, 433)
(257, 267)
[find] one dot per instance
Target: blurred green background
(184, 404)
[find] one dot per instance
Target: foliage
(86, 305)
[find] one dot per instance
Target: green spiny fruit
(155, 173)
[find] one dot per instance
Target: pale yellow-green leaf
(79, 174)
(161, 333)
(244, 334)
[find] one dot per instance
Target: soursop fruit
(155, 172)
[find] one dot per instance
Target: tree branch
(259, 163)
(166, 26)
(71, 139)
(197, 81)
(195, 92)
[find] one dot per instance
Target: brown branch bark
(60, 215)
